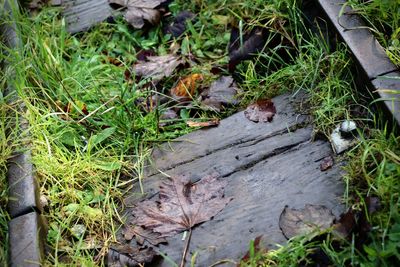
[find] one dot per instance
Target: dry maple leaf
(181, 205)
(157, 67)
(261, 111)
(139, 11)
(186, 87)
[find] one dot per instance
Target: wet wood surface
(267, 165)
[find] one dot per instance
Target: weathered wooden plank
(260, 193)
(80, 15)
(226, 161)
(235, 130)
(267, 165)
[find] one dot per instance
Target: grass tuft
(383, 17)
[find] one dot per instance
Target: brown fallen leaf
(114, 61)
(178, 26)
(346, 224)
(222, 92)
(356, 222)
(181, 205)
(261, 111)
(253, 42)
(139, 11)
(125, 255)
(302, 222)
(203, 123)
(37, 4)
(141, 234)
(186, 87)
(326, 163)
(157, 67)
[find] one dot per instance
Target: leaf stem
(186, 248)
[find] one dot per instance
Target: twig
(185, 250)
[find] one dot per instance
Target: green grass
(5, 152)
(383, 17)
(80, 160)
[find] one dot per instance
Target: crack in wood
(275, 152)
(290, 129)
(240, 144)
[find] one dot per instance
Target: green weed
(84, 161)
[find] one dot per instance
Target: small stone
(44, 202)
(348, 128)
(78, 230)
(340, 140)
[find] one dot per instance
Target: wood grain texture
(267, 166)
(233, 131)
(80, 15)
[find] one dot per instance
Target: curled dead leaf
(261, 111)
(203, 123)
(186, 87)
